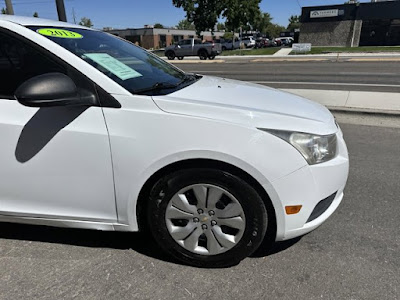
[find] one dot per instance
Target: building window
(134, 39)
(163, 41)
(177, 38)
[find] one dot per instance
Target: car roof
(29, 21)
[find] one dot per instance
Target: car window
(185, 42)
(130, 66)
(20, 62)
(197, 42)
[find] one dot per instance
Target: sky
(136, 13)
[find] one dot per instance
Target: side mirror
(52, 89)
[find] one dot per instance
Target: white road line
(326, 83)
(366, 73)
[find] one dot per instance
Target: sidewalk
(355, 101)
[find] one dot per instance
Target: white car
(249, 42)
(97, 133)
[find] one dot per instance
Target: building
(352, 25)
(156, 38)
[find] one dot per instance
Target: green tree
(158, 25)
(241, 13)
(261, 22)
(185, 25)
(35, 14)
(274, 30)
(3, 11)
(204, 14)
(294, 23)
(228, 35)
(221, 26)
(86, 22)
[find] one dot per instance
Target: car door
(55, 161)
(185, 48)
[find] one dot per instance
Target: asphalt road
(377, 76)
(354, 255)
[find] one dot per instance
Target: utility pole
(73, 15)
(61, 10)
(9, 7)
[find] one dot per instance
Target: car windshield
(137, 70)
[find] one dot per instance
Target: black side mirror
(52, 89)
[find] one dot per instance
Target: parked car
(193, 47)
(263, 43)
(228, 44)
(277, 42)
(249, 42)
(286, 41)
(98, 133)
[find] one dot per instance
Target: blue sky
(136, 13)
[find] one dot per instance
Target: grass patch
(262, 51)
(324, 50)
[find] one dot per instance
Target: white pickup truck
(193, 47)
(228, 44)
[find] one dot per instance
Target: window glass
(185, 42)
(20, 62)
(130, 66)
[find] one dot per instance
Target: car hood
(249, 105)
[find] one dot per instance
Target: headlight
(315, 149)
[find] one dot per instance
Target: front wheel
(180, 57)
(206, 217)
(170, 55)
(211, 57)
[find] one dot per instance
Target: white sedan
(97, 133)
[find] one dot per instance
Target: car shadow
(268, 247)
(42, 127)
(142, 243)
(136, 241)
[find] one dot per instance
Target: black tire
(211, 57)
(203, 54)
(256, 219)
(223, 48)
(170, 55)
(180, 57)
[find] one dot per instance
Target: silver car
(193, 47)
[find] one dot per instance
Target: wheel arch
(201, 50)
(204, 163)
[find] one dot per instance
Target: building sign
(301, 47)
(324, 13)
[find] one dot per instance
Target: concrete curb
(328, 55)
(293, 58)
(353, 101)
(360, 111)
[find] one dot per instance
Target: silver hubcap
(205, 219)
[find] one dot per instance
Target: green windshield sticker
(59, 33)
(119, 69)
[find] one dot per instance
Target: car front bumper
(317, 188)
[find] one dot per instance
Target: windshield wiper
(156, 87)
(164, 86)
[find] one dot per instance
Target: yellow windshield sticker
(59, 33)
(119, 69)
